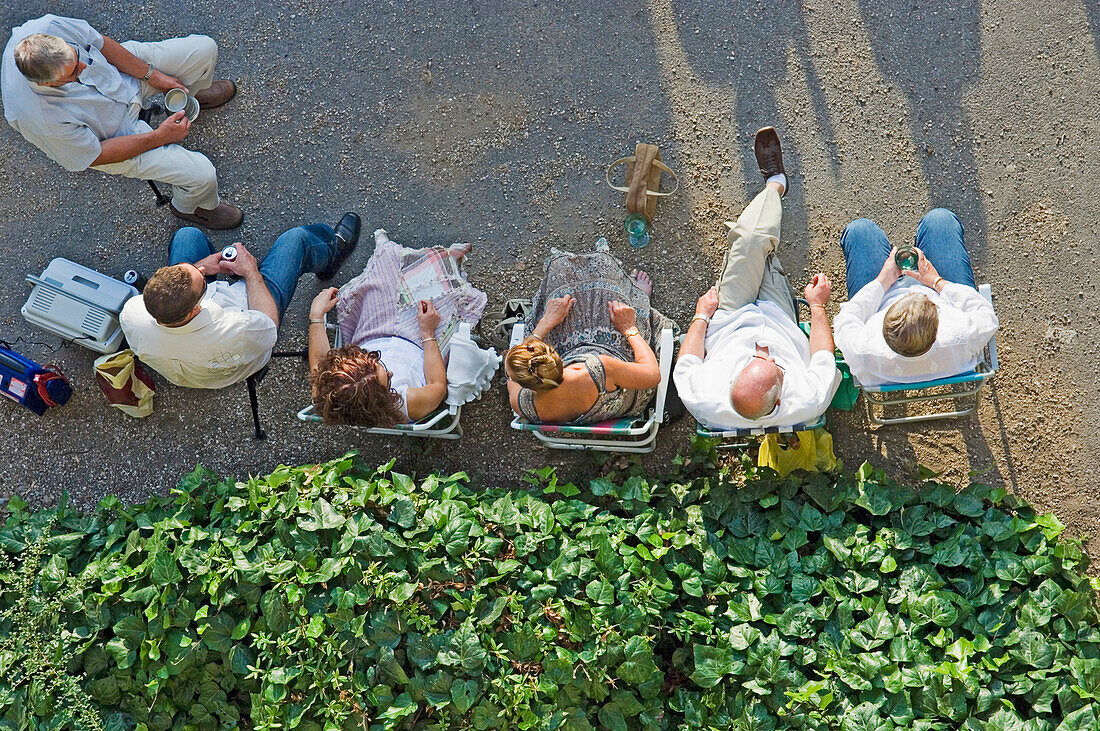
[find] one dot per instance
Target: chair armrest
(517, 335)
(664, 362)
(985, 290)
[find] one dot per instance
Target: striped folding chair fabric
(630, 435)
(746, 437)
(443, 423)
(961, 386)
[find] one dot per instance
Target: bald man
(744, 362)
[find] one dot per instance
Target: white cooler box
(78, 304)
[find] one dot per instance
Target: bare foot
(642, 280)
(460, 250)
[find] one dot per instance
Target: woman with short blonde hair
(910, 325)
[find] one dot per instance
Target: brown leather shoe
(223, 217)
(216, 94)
(769, 153)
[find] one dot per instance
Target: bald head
(755, 391)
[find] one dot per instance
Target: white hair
(42, 58)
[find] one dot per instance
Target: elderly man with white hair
(76, 94)
(744, 362)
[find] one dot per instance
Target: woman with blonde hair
(589, 353)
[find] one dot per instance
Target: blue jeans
(939, 236)
(304, 249)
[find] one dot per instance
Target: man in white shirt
(76, 94)
(210, 334)
(930, 323)
(744, 362)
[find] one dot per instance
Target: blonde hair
(535, 365)
(41, 57)
(910, 325)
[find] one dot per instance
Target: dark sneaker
(347, 238)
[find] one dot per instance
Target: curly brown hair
(346, 389)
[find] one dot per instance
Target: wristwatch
(148, 74)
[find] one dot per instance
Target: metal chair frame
(898, 394)
(259, 433)
(747, 434)
(640, 437)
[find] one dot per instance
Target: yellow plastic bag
(125, 383)
(814, 453)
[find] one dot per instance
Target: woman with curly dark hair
(351, 385)
(393, 369)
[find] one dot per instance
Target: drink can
(229, 253)
(135, 279)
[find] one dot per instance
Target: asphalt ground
(493, 122)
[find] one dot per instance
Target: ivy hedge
(335, 596)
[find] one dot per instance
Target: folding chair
(748, 436)
(961, 386)
(146, 115)
(443, 423)
(631, 434)
(254, 380)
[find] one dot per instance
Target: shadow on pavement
(746, 47)
(931, 51)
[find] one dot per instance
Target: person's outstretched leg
(776, 287)
(189, 245)
(865, 249)
(752, 239)
(303, 249)
(940, 237)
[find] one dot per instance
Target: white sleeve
(824, 377)
(688, 376)
(849, 322)
(981, 320)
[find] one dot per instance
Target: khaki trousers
(192, 176)
(751, 270)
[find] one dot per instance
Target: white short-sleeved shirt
(966, 323)
(809, 382)
(68, 122)
(223, 345)
(405, 360)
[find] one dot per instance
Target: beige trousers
(751, 269)
(192, 176)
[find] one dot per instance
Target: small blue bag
(31, 385)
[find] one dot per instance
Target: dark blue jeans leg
(940, 237)
(304, 249)
(865, 249)
(188, 246)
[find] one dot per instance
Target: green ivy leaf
(463, 693)
(711, 664)
(934, 607)
(403, 512)
(600, 591)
